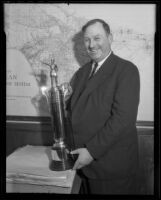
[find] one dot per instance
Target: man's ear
(110, 38)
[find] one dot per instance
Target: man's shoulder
(123, 60)
(125, 64)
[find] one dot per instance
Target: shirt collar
(102, 61)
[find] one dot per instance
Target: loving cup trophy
(56, 96)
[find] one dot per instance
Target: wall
(35, 32)
(20, 134)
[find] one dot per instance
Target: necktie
(90, 76)
(94, 69)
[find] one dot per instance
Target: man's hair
(93, 21)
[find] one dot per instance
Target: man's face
(97, 42)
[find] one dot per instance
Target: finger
(75, 151)
(76, 165)
(67, 151)
(79, 166)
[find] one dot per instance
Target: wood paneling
(20, 133)
(146, 156)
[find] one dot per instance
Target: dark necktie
(94, 70)
(91, 75)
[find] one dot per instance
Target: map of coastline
(36, 30)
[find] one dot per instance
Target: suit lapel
(81, 84)
(102, 74)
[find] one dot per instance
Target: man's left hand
(84, 158)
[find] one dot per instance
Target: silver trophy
(56, 96)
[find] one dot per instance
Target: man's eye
(97, 38)
(86, 40)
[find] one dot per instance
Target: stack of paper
(30, 164)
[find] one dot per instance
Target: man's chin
(95, 58)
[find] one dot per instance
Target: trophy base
(63, 164)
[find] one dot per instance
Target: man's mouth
(93, 51)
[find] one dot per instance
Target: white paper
(30, 164)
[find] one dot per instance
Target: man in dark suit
(103, 111)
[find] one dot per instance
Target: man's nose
(91, 44)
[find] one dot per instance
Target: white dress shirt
(100, 63)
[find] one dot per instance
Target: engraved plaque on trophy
(62, 159)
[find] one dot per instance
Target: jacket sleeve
(123, 112)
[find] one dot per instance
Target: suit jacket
(103, 114)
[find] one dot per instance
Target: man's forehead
(92, 35)
(96, 24)
(95, 30)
